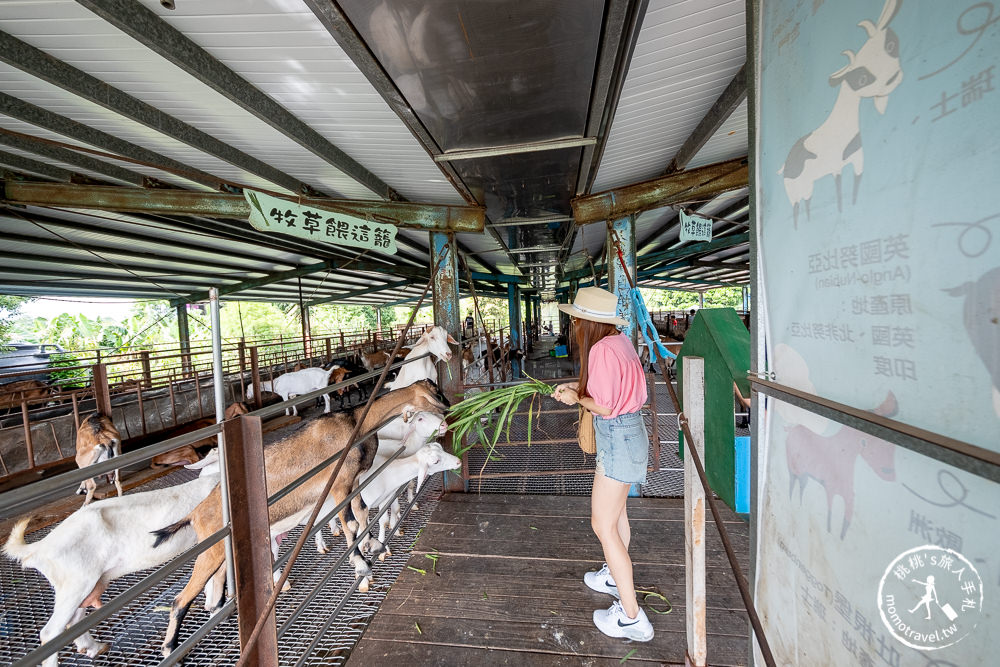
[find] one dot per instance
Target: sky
(48, 308)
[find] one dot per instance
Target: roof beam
(223, 205)
(342, 30)
(360, 292)
(43, 66)
(684, 186)
(156, 34)
(28, 165)
(36, 115)
(677, 254)
(277, 277)
(622, 23)
(655, 239)
(731, 98)
(29, 144)
(93, 264)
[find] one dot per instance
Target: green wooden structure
(718, 336)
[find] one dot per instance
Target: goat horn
(850, 55)
(869, 27)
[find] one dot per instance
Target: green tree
(9, 307)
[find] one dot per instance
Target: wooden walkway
(506, 587)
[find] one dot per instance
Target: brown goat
(29, 391)
(373, 360)
(97, 440)
(187, 454)
(285, 461)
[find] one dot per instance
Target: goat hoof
(322, 550)
(287, 586)
(382, 555)
(363, 586)
(98, 650)
(400, 531)
(415, 507)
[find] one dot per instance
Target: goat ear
(408, 413)
(421, 475)
(452, 340)
(888, 12)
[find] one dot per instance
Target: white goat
(426, 461)
(419, 428)
(826, 151)
(435, 341)
(296, 383)
(105, 540)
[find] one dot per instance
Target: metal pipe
(220, 415)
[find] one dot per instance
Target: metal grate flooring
(135, 634)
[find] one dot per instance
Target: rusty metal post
(241, 349)
(184, 336)
(102, 393)
(28, 445)
(514, 311)
(694, 515)
(329, 354)
(656, 419)
(622, 231)
(306, 326)
(142, 409)
(342, 345)
(247, 489)
(444, 267)
(255, 378)
(147, 373)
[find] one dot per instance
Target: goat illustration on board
(874, 71)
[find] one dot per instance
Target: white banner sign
(270, 214)
(695, 228)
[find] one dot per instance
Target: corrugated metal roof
(458, 58)
(686, 55)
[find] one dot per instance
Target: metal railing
(30, 497)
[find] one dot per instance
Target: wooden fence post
(694, 515)
(251, 537)
(102, 393)
(255, 377)
(147, 373)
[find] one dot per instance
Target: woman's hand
(566, 393)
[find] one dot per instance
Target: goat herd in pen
(110, 538)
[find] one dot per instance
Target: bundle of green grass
(496, 408)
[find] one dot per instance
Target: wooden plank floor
(508, 588)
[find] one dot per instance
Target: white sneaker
(601, 581)
(614, 623)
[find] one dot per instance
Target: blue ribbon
(648, 331)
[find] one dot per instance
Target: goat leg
(85, 643)
(205, 567)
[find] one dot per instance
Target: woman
(613, 387)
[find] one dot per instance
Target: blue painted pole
(624, 229)
(514, 312)
(444, 267)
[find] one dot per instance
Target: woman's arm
(565, 393)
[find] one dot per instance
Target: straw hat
(594, 304)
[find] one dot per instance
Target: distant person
(470, 325)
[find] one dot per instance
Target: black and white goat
(874, 72)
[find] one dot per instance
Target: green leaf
(627, 656)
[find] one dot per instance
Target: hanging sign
(695, 228)
(270, 214)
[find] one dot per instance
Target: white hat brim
(571, 310)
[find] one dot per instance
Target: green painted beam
(360, 292)
(432, 217)
(499, 278)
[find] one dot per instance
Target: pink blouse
(615, 377)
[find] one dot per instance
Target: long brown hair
(588, 333)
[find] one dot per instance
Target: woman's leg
(624, 530)
(606, 510)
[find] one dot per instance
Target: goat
(188, 454)
(436, 342)
(426, 461)
(101, 542)
(13, 394)
(830, 460)
(981, 314)
(284, 462)
(413, 433)
(296, 383)
(374, 360)
(97, 440)
(826, 151)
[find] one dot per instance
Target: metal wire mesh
(135, 634)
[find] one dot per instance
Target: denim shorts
(622, 447)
